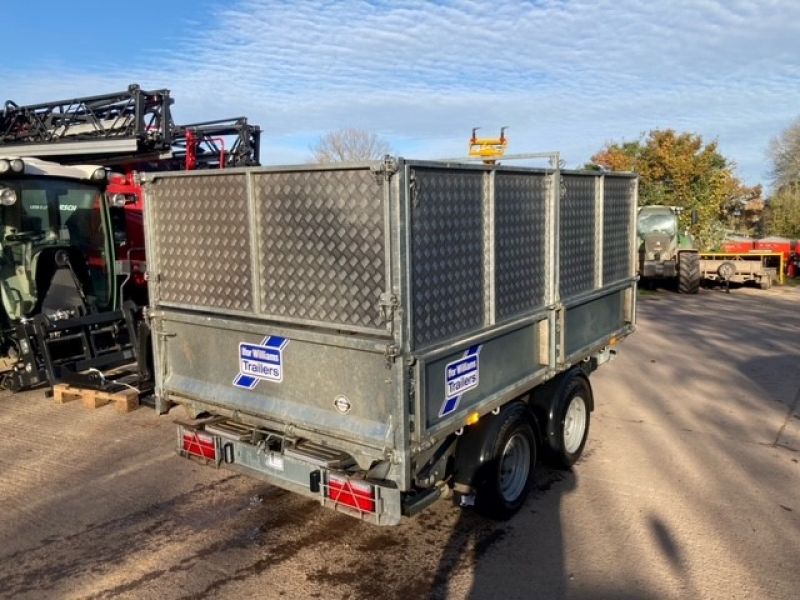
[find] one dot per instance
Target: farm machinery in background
(664, 252)
(72, 263)
(788, 249)
(667, 254)
(746, 260)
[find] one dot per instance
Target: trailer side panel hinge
(386, 168)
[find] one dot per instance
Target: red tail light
(199, 444)
(355, 494)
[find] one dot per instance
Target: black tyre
(688, 273)
(571, 422)
(726, 271)
(505, 478)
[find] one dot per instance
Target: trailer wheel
(506, 475)
(688, 272)
(572, 409)
(726, 271)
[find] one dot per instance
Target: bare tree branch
(784, 151)
(348, 145)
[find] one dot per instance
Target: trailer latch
(391, 351)
(388, 303)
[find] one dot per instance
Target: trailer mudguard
(475, 446)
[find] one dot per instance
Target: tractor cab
(658, 232)
(56, 253)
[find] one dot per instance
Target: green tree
(680, 169)
(783, 213)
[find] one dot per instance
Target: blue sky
(565, 75)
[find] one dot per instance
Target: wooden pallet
(125, 400)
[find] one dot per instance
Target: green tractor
(665, 252)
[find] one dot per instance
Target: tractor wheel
(689, 273)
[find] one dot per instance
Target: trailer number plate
(460, 376)
(273, 461)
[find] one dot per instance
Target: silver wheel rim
(574, 424)
(515, 463)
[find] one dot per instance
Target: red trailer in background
(789, 248)
(786, 246)
(738, 245)
(783, 245)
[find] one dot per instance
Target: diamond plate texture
(321, 245)
(618, 196)
(576, 235)
(202, 241)
(520, 213)
(447, 253)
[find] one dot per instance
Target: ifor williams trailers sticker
(460, 376)
(259, 362)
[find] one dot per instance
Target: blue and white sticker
(259, 362)
(460, 376)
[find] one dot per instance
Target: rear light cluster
(199, 444)
(355, 494)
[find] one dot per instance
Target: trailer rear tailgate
(339, 385)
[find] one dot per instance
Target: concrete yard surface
(689, 488)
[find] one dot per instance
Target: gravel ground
(689, 488)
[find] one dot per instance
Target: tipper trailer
(378, 335)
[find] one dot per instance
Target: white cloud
(566, 75)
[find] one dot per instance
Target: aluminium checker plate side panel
(520, 238)
(619, 194)
(321, 245)
(201, 232)
(576, 235)
(447, 253)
